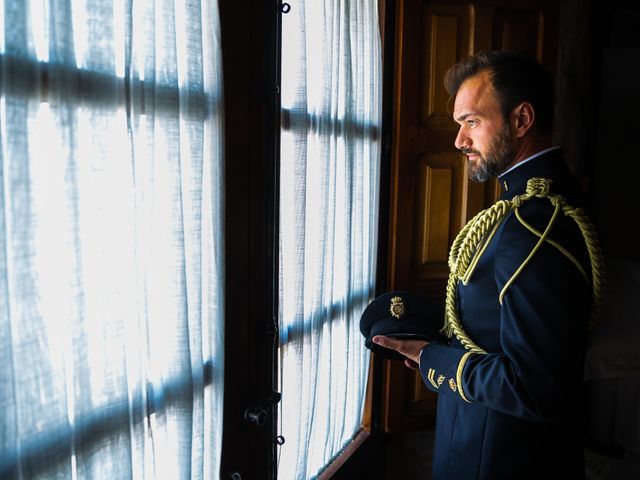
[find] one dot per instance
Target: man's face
(484, 136)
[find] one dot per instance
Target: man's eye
(472, 123)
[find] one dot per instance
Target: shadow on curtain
(330, 155)
(111, 335)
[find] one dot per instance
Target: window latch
(259, 412)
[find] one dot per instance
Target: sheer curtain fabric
(331, 97)
(111, 338)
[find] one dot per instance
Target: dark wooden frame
(250, 33)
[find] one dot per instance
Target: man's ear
(522, 118)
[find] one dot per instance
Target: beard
(498, 157)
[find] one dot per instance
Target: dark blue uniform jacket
(515, 413)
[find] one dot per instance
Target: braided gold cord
(595, 257)
(555, 244)
(476, 235)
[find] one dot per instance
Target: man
(511, 408)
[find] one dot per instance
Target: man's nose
(462, 140)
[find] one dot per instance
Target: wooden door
(431, 195)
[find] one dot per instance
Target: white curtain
(111, 338)
(331, 100)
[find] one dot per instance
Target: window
(111, 338)
(331, 100)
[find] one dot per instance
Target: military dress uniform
(515, 412)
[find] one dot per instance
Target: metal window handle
(259, 417)
(258, 413)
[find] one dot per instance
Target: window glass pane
(331, 96)
(111, 335)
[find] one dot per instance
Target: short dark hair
(516, 77)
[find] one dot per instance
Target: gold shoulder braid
(476, 235)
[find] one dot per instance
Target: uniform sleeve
(542, 319)
(438, 368)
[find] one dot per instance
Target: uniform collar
(547, 163)
(528, 159)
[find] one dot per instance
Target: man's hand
(409, 348)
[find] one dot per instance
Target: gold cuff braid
(461, 365)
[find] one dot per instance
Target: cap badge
(397, 307)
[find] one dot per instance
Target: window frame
(250, 34)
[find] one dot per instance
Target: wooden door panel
(433, 213)
(445, 40)
(438, 204)
(518, 30)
